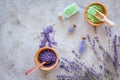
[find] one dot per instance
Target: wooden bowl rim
(85, 15)
(37, 62)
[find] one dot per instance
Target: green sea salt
(91, 12)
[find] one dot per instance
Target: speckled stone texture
(21, 22)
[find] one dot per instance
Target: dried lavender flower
(108, 31)
(75, 54)
(115, 53)
(47, 38)
(109, 65)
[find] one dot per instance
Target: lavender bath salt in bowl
(49, 55)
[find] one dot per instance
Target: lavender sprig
(95, 30)
(106, 55)
(119, 39)
(89, 39)
(115, 53)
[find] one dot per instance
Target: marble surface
(21, 22)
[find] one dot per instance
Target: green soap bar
(70, 10)
(91, 12)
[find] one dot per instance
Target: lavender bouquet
(108, 61)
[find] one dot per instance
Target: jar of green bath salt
(91, 12)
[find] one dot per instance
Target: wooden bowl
(37, 62)
(85, 13)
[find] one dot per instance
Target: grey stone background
(21, 22)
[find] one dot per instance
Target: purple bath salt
(47, 56)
